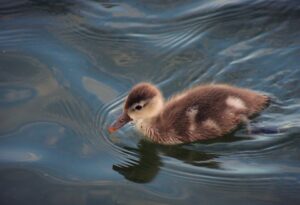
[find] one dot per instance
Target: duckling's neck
(148, 127)
(153, 130)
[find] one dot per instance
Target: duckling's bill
(120, 122)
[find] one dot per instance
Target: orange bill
(120, 122)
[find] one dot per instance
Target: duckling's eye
(138, 107)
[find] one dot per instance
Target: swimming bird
(202, 112)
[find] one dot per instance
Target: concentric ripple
(103, 118)
(200, 162)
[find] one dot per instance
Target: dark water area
(66, 66)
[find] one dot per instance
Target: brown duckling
(202, 112)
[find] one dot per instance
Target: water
(66, 66)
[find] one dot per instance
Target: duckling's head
(143, 102)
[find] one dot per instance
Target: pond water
(66, 66)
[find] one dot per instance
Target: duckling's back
(209, 111)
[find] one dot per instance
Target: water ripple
(12, 7)
(102, 121)
(77, 115)
(17, 36)
(62, 63)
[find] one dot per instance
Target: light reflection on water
(65, 69)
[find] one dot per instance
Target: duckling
(202, 112)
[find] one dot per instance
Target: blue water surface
(67, 65)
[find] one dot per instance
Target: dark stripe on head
(140, 92)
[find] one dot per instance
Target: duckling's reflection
(146, 168)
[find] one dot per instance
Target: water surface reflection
(66, 67)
